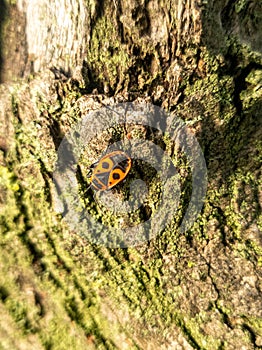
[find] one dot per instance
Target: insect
(113, 167)
(110, 170)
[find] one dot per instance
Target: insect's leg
(89, 173)
(82, 181)
(88, 188)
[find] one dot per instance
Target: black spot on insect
(116, 176)
(105, 165)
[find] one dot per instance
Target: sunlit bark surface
(197, 290)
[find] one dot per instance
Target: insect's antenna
(127, 134)
(125, 129)
(111, 109)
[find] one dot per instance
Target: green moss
(106, 56)
(254, 86)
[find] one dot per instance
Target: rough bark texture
(200, 290)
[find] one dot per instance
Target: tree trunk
(200, 61)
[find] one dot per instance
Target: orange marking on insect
(110, 170)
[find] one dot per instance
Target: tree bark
(202, 61)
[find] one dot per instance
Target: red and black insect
(110, 170)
